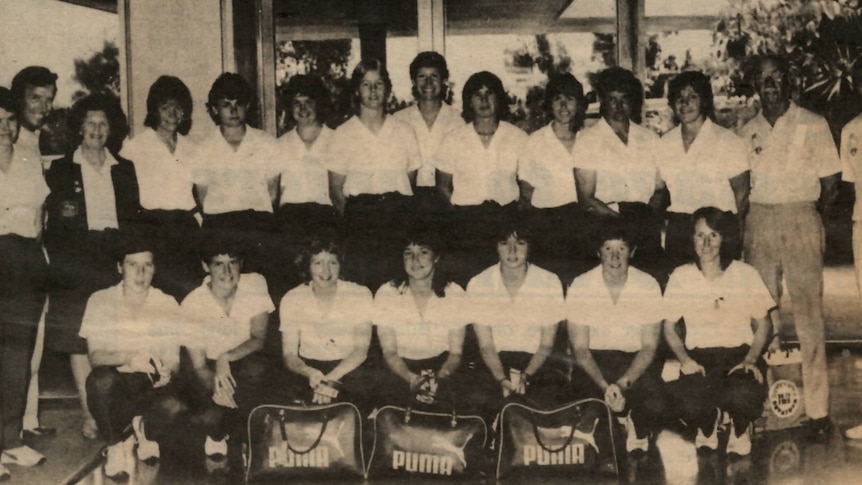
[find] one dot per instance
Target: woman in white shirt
(720, 300)
(326, 331)
(162, 157)
(304, 205)
(516, 309)
(546, 177)
(373, 159)
(421, 324)
(477, 168)
(693, 169)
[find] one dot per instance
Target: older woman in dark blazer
(94, 194)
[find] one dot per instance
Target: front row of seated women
(615, 315)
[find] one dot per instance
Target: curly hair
(699, 82)
(7, 101)
(232, 86)
(164, 89)
(622, 81)
(567, 85)
(311, 86)
(433, 60)
(109, 105)
(316, 246)
(476, 82)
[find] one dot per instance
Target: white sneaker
(22, 456)
(215, 449)
(854, 433)
(741, 445)
(632, 441)
(117, 462)
(711, 442)
(147, 450)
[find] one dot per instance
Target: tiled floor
(779, 457)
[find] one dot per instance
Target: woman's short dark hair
(109, 105)
(517, 226)
(426, 237)
(364, 67)
(613, 230)
(567, 85)
(699, 82)
(434, 60)
(311, 86)
(7, 101)
(623, 81)
(724, 223)
(229, 85)
(169, 88)
(484, 79)
(316, 246)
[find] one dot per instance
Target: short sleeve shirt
(624, 172)
(27, 145)
(99, 196)
(374, 163)
(448, 119)
(304, 178)
(326, 334)
(482, 174)
(216, 332)
(22, 194)
(547, 165)
(789, 159)
(420, 335)
(851, 160)
(717, 313)
(236, 180)
(164, 178)
(516, 323)
(700, 177)
(614, 326)
(110, 324)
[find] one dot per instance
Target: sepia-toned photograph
(428, 241)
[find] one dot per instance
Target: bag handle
(283, 428)
(545, 447)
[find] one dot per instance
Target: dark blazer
(66, 207)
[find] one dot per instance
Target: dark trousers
(176, 234)
(473, 232)
(295, 226)
(645, 398)
(251, 230)
(358, 387)
(393, 390)
(562, 244)
(116, 397)
(81, 264)
(23, 279)
(375, 229)
(695, 397)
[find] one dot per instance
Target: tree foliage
(100, 73)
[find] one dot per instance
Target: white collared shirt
(717, 313)
(851, 161)
(155, 326)
(614, 326)
(208, 327)
(448, 119)
(482, 174)
(304, 177)
(28, 145)
(236, 180)
(22, 194)
(420, 335)
(326, 334)
(789, 159)
(99, 197)
(547, 165)
(164, 178)
(516, 323)
(374, 163)
(624, 172)
(700, 177)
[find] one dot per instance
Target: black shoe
(820, 429)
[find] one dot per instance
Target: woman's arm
(290, 347)
(579, 337)
(444, 185)
(526, 196)
(650, 335)
(389, 346)
(336, 191)
(689, 365)
(545, 345)
(223, 376)
(761, 334)
(361, 341)
(456, 346)
(198, 359)
(585, 183)
(485, 338)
